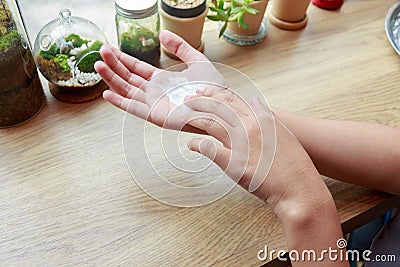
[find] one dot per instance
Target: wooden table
(67, 197)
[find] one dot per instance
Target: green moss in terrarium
(94, 47)
(142, 44)
(87, 63)
(88, 57)
(6, 21)
(135, 41)
(62, 61)
(51, 53)
(8, 40)
(76, 40)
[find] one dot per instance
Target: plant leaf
(223, 28)
(215, 9)
(233, 18)
(214, 17)
(241, 23)
(240, 2)
(221, 4)
(252, 10)
(221, 13)
(236, 10)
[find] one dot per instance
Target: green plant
(94, 47)
(62, 61)
(8, 40)
(76, 40)
(231, 11)
(86, 64)
(88, 57)
(51, 53)
(5, 18)
(132, 40)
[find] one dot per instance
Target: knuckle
(127, 90)
(130, 77)
(135, 63)
(229, 97)
(209, 122)
(209, 92)
(207, 146)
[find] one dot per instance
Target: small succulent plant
(231, 11)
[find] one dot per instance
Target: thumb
(180, 48)
(212, 150)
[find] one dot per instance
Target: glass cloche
(65, 50)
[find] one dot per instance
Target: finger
(180, 48)
(118, 84)
(212, 125)
(112, 56)
(227, 97)
(112, 59)
(131, 106)
(209, 148)
(214, 106)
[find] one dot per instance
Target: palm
(166, 90)
(142, 89)
(160, 108)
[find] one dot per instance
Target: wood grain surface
(68, 199)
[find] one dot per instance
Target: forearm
(311, 225)
(301, 200)
(359, 153)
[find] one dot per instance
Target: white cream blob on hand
(177, 95)
(176, 88)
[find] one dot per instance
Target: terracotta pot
(289, 14)
(254, 21)
(190, 29)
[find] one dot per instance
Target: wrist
(308, 199)
(306, 212)
(310, 226)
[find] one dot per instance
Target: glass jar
(66, 49)
(21, 93)
(138, 29)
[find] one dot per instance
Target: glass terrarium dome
(66, 50)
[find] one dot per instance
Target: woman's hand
(286, 179)
(253, 144)
(138, 86)
(292, 186)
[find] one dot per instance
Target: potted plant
(242, 21)
(289, 14)
(186, 19)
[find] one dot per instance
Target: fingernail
(200, 90)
